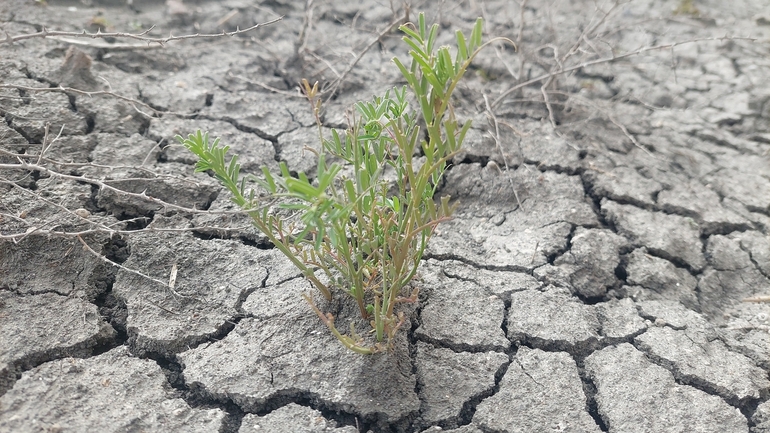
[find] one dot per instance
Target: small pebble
(498, 219)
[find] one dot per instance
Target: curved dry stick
(500, 99)
(104, 185)
(45, 33)
(100, 228)
(62, 89)
(135, 272)
(496, 138)
(17, 237)
(333, 88)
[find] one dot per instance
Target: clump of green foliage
(358, 233)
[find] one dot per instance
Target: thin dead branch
(104, 45)
(109, 93)
(307, 21)
(267, 87)
(105, 186)
(18, 237)
(62, 89)
(493, 119)
(47, 144)
(135, 272)
(603, 60)
(97, 227)
(335, 85)
(142, 36)
(84, 165)
(588, 103)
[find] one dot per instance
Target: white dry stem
(135, 272)
(142, 36)
(267, 87)
(62, 89)
(496, 103)
(96, 227)
(341, 77)
(103, 185)
(74, 165)
(47, 144)
(496, 137)
(587, 102)
(172, 276)
(90, 94)
(148, 42)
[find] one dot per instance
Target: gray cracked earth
(592, 279)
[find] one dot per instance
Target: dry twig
(62, 89)
(335, 85)
(103, 185)
(496, 137)
(639, 51)
(135, 272)
(45, 33)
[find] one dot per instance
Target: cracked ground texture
(611, 223)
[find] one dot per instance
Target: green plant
(356, 232)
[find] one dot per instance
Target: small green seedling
(357, 233)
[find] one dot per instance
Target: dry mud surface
(592, 279)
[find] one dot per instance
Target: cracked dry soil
(592, 279)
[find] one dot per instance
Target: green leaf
(476, 35)
(269, 180)
(284, 170)
(421, 21)
(462, 48)
(301, 189)
(406, 73)
(461, 136)
(350, 190)
(431, 38)
(410, 33)
(446, 68)
(417, 49)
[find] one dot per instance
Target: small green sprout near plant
(356, 232)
